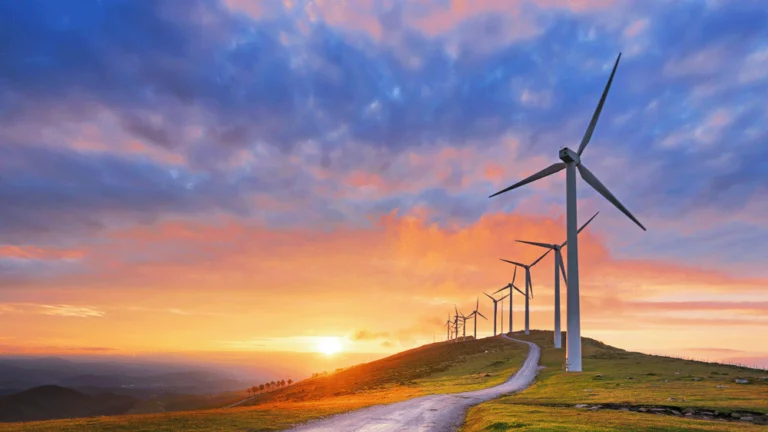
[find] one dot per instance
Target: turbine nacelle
(567, 155)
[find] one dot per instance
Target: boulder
(580, 406)
(741, 381)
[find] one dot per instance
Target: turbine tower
(495, 303)
(571, 161)
(559, 268)
(448, 328)
(528, 283)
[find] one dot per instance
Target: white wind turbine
(571, 161)
(510, 286)
(474, 315)
(559, 268)
(448, 328)
(495, 304)
(528, 284)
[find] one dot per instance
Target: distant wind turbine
(528, 284)
(448, 328)
(510, 286)
(559, 268)
(495, 303)
(475, 313)
(571, 161)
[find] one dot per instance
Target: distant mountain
(55, 402)
(140, 380)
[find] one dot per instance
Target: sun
(329, 345)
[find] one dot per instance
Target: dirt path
(436, 413)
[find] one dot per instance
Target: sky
(203, 176)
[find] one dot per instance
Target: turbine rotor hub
(568, 156)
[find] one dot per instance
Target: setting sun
(329, 345)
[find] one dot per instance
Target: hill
(53, 402)
(435, 368)
(618, 391)
(623, 391)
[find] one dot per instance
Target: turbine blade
(596, 115)
(514, 275)
(482, 316)
(541, 174)
(530, 280)
(490, 297)
(504, 297)
(582, 227)
(520, 292)
(544, 245)
(512, 262)
(590, 178)
(501, 289)
(562, 270)
(540, 258)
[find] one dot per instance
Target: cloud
(368, 335)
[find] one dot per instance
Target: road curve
(435, 413)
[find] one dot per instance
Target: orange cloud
(238, 280)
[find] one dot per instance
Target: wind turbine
(571, 161)
(510, 286)
(528, 284)
(495, 301)
(448, 328)
(475, 313)
(456, 325)
(463, 327)
(559, 268)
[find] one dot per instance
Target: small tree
(261, 387)
(254, 390)
(290, 381)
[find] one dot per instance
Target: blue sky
(319, 116)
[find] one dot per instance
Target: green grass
(498, 416)
(612, 375)
(431, 369)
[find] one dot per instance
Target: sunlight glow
(329, 345)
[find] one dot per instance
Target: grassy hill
(618, 391)
(624, 391)
(434, 368)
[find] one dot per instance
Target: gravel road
(435, 413)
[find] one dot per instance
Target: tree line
(268, 386)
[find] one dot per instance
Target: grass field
(431, 369)
(625, 378)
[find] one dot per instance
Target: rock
(630, 377)
(596, 407)
(741, 381)
(487, 375)
(689, 414)
(723, 386)
(697, 379)
(623, 409)
(677, 373)
(597, 377)
(580, 406)
(736, 416)
(643, 409)
(658, 410)
(675, 412)
(587, 390)
(671, 399)
(747, 418)
(688, 411)
(707, 413)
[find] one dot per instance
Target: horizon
(287, 182)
